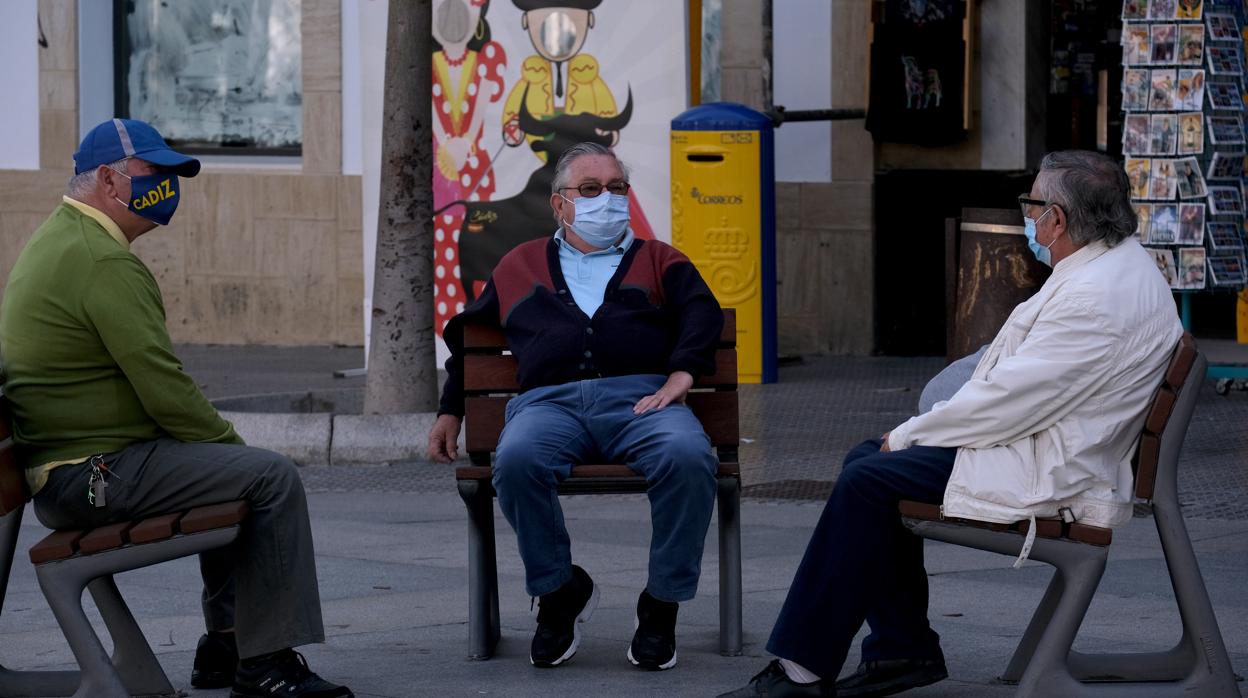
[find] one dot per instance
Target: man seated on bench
(111, 429)
(609, 332)
(1045, 427)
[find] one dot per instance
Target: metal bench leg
(1047, 673)
(64, 594)
(132, 655)
(730, 566)
(17, 684)
(482, 577)
(1035, 629)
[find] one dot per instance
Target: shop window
(213, 76)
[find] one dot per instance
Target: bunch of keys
(97, 482)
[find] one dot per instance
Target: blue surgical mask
(1040, 251)
(601, 220)
(154, 197)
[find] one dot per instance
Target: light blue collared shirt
(587, 275)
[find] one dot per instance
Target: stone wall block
(853, 151)
(321, 30)
(836, 205)
(58, 89)
(322, 132)
(59, 21)
(850, 53)
(846, 289)
(305, 196)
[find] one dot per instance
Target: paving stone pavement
(392, 565)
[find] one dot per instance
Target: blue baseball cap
(127, 138)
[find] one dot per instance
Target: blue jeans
(863, 564)
(550, 429)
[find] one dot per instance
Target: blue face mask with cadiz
(1040, 251)
(154, 197)
(601, 220)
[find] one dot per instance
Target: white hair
(81, 185)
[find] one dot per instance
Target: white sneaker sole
(662, 667)
(585, 614)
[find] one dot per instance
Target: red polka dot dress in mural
(461, 169)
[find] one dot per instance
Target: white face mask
(601, 220)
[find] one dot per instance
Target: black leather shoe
(888, 676)
(285, 674)
(772, 682)
(216, 660)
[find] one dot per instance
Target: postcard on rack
(1162, 38)
(1136, 44)
(1162, 96)
(1191, 44)
(1135, 139)
(1165, 224)
(1191, 224)
(1225, 130)
(1191, 133)
(1143, 219)
(1191, 267)
(1223, 95)
(1164, 259)
(1135, 9)
(1137, 175)
(1191, 90)
(1226, 201)
(1135, 89)
(1164, 132)
(1226, 270)
(1162, 181)
(1222, 27)
(1190, 9)
(1162, 9)
(1225, 236)
(1191, 183)
(1225, 60)
(1225, 165)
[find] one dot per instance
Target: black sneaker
(284, 674)
(654, 643)
(216, 661)
(888, 676)
(772, 682)
(559, 616)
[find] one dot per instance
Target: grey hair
(564, 164)
(81, 185)
(1094, 192)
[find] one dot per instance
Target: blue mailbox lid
(721, 116)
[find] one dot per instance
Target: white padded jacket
(1052, 414)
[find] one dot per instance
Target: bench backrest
(13, 491)
(1167, 419)
(490, 381)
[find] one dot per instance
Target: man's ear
(107, 177)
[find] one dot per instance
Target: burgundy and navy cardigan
(657, 316)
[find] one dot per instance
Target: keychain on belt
(97, 481)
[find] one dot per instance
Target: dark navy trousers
(863, 565)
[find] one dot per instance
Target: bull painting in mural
(491, 229)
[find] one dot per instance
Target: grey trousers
(268, 574)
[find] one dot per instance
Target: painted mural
(517, 82)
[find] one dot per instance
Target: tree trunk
(402, 370)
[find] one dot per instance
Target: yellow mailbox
(723, 218)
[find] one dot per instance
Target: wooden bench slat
(1181, 363)
(156, 528)
(1146, 465)
(1045, 528)
(1159, 412)
(214, 516)
(496, 373)
(57, 545)
(480, 337)
(106, 537)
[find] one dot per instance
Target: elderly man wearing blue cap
(109, 427)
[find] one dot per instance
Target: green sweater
(86, 359)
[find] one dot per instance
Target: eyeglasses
(1024, 201)
(592, 189)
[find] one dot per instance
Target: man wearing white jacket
(1046, 426)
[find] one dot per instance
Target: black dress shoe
(885, 677)
(216, 660)
(772, 682)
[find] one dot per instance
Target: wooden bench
(66, 562)
(490, 381)
(1044, 663)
